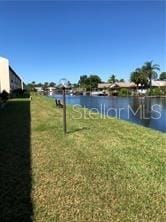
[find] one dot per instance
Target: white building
(39, 89)
(159, 83)
(9, 80)
(51, 89)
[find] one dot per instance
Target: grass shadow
(77, 130)
(15, 162)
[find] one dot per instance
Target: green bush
(124, 92)
(4, 96)
(155, 92)
(19, 93)
(164, 91)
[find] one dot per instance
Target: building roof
(158, 83)
(104, 85)
(116, 84)
(123, 85)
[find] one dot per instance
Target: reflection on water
(149, 112)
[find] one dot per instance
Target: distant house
(117, 86)
(98, 93)
(9, 80)
(39, 89)
(51, 90)
(158, 83)
(155, 84)
(103, 86)
(113, 88)
(127, 85)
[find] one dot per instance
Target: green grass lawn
(102, 170)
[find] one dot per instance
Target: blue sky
(46, 41)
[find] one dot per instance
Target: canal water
(149, 112)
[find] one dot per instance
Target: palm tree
(150, 71)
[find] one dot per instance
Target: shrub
(155, 92)
(164, 90)
(19, 93)
(124, 92)
(4, 96)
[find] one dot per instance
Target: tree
(33, 83)
(112, 79)
(52, 84)
(82, 81)
(90, 82)
(39, 85)
(138, 77)
(69, 84)
(163, 76)
(149, 69)
(121, 80)
(31, 86)
(45, 86)
(75, 85)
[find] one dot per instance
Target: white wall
(4, 75)
(8, 78)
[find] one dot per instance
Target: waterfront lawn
(102, 170)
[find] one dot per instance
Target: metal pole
(64, 110)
